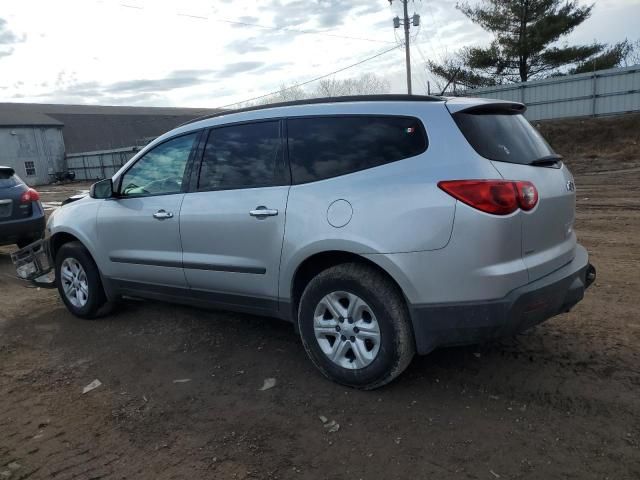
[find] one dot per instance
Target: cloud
(7, 37)
(176, 79)
(146, 91)
(239, 67)
(137, 91)
(322, 13)
(145, 85)
(247, 19)
(247, 45)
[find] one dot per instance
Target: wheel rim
(346, 330)
(74, 282)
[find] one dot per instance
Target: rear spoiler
(7, 170)
(484, 105)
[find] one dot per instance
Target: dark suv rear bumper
(466, 323)
(31, 228)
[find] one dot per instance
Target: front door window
(160, 171)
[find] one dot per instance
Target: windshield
(503, 137)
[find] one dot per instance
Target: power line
(312, 80)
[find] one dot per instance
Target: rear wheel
(78, 281)
(355, 327)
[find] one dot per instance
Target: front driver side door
(139, 228)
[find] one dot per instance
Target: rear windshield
(503, 136)
(7, 180)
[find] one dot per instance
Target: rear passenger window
(8, 180)
(242, 156)
(325, 147)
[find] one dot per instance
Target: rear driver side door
(232, 226)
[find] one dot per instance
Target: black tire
(397, 345)
(96, 302)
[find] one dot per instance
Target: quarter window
(159, 171)
(325, 147)
(242, 156)
(30, 169)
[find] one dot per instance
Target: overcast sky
(188, 53)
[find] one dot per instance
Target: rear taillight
(527, 195)
(498, 197)
(30, 196)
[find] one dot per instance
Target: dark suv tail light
(498, 197)
(30, 195)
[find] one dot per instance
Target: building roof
(97, 127)
(93, 131)
(12, 118)
(102, 109)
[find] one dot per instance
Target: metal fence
(99, 164)
(603, 92)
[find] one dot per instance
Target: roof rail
(314, 101)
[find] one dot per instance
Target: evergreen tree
(525, 45)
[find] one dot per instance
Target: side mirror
(102, 189)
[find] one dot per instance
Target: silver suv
(379, 226)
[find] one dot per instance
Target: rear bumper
(437, 325)
(25, 228)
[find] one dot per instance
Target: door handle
(162, 214)
(263, 211)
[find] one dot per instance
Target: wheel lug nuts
(341, 320)
(356, 329)
(350, 320)
(343, 338)
(352, 338)
(337, 328)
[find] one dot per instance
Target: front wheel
(78, 281)
(355, 327)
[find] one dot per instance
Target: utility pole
(406, 23)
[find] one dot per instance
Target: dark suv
(22, 218)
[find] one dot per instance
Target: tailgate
(499, 132)
(548, 239)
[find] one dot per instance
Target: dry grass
(596, 144)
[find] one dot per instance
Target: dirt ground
(560, 401)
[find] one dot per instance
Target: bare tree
(367, 84)
(286, 94)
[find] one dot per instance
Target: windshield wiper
(551, 160)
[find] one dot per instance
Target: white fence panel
(604, 92)
(100, 164)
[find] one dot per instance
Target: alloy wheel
(74, 282)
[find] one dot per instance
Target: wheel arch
(58, 239)
(320, 261)
(62, 237)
